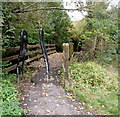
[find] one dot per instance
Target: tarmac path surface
(49, 98)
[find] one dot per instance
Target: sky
(77, 15)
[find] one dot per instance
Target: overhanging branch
(112, 17)
(50, 8)
(84, 8)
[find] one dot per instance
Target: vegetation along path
(50, 98)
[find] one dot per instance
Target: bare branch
(49, 8)
(84, 8)
(112, 17)
(29, 6)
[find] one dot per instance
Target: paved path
(50, 98)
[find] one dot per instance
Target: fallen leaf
(63, 102)
(58, 97)
(48, 111)
(28, 110)
(45, 94)
(75, 108)
(57, 105)
(80, 108)
(30, 100)
(35, 106)
(40, 80)
(24, 104)
(91, 107)
(70, 97)
(73, 100)
(35, 100)
(88, 113)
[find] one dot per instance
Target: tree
(99, 37)
(55, 23)
(56, 26)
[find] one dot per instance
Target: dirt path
(49, 98)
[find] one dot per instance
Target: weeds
(10, 102)
(94, 85)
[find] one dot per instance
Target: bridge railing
(33, 52)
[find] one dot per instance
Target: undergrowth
(10, 103)
(94, 85)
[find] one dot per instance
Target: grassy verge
(94, 85)
(10, 102)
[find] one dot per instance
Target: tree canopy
(96, 34)
(54, 22)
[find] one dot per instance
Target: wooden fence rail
(28, 47)
(49, 47)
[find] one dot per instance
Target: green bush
(10, 102)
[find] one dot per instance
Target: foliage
(5, 64)
(99, 34)
(10, 101)
(88, 73)
(54, 22)
(94, 85)
(57, 27)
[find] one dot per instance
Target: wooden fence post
(68, 50)
(71, 49)
(65, 61)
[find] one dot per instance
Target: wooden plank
(12, 49)
(50, 48)
(39, 56)
(50, 45)
(38, 46)
(33, 46)
(51, 52)
(18, 47)
(27, 61)
(10, 68)
(28, 47)
(33, 52)
(28, 53)
(10, 58)
(31, 59)
(16, 56)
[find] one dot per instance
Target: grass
(94, 85)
